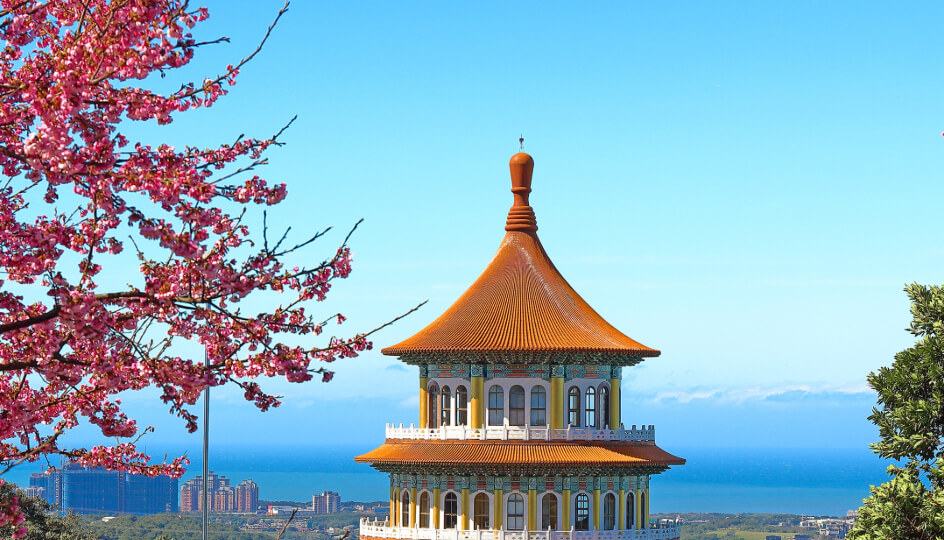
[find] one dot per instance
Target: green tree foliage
(910, 418)
(41, 522)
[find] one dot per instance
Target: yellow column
(434, 511)
(621, 511)
(638, 503)
(646, 509)
(396, 509)
(596, 505)
(424, 399)
(412, 507)
(532, 506)
(497, 508)
(565, 509)
(615, 401)
(557, 397)
(393, 507)
(477, 398)
(464, 510)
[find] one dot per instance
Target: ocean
(823, 481)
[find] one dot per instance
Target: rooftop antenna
(521, 142)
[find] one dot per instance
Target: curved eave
(519, 453)
(521, 304)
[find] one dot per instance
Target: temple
(520, 434)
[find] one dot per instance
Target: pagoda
(520, 435)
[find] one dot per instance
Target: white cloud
(740, 395)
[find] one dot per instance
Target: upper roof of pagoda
(521, 303)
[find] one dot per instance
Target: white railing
(379, 529)
(645, 433)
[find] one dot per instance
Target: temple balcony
(372, 529)
(645, 433)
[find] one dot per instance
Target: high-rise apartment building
(91, 490)
(51, 484)
(95, 490)
(223, 496)
(327, 503)
(150, 495)
(247, 496)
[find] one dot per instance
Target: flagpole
(206, 451)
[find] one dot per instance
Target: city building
(328, 502)
(520, 426)
(51, 483)
(35, 492)
(247, 497)
(223, 497)
(91, 490)
(149, 495)
(95, 490)
(190, 500)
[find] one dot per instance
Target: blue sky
(745, 186)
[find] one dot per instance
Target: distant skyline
(746, 187)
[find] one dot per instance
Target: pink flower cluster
(71, 73)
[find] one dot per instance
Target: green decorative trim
(462, 482)
(616, 372)
(490, 483)
(576, 372)
(424, 370)
(476, 370)
(624, 483)
(532, 483)
(558, 371)
(558, 484)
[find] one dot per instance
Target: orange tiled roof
(520, 303)
(402, 452)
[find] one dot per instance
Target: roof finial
(521, 142)
(521, 216)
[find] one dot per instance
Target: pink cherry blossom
(82, 198)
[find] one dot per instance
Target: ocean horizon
(810, 481)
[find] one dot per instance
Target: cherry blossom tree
(79, 196)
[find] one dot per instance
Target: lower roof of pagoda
(519, 453)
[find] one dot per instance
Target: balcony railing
(379, 529)
(645, 433)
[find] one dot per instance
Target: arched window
(642, 510)
(515, 521)
(609, 512)
(496, 406)
(573, 406)
(445, 417)
(405, 509)
(432, 414)
(630, 510)
(516, 406)
(582, 515)
(605, 408)
(590, 407)
(549, 512)
(424, 510)
(538, 406)
(462, 406)
(450, 511)
(480, 512)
